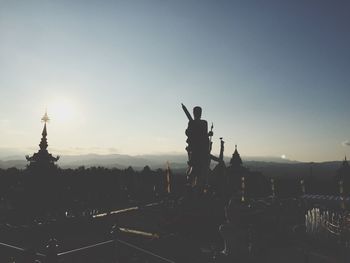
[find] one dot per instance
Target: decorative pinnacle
(45, 118)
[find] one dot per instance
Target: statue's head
(197, 112)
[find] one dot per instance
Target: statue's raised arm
(186, 112)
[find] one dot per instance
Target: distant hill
(295, 169)
(269, 166)
(123, 161)
(20, 164)
(112, 160)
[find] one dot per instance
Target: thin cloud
(83, 150)
(346, 143)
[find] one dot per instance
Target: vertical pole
(242, 189)
(114, 234)
(342, 220)
(52, 251)
(341, 192)
(302, 183)
(273, 187)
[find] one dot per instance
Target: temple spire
(43, 158)
(43, 143)
(236, 160)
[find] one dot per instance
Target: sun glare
(61, 110)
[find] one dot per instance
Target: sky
(273, 76)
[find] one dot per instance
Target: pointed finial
(45, 118)
(236, 147)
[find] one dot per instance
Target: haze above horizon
(273, 76)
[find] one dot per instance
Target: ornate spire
(43, 143)
(236, 160)
(43, 158)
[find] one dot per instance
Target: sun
(62, 110)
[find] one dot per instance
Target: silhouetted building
(257, 184)
(42, 189)
(235, 171)
(236, 161)
(42, 159)
(343, 173)
(218, 174)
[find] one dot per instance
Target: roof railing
(53, 256)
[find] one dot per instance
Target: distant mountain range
(269, 166)
(124, 161)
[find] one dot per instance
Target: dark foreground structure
(224, 214)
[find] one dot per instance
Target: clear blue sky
(273, 76)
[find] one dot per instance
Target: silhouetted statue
(198, 148)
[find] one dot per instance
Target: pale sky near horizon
(273, 76)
